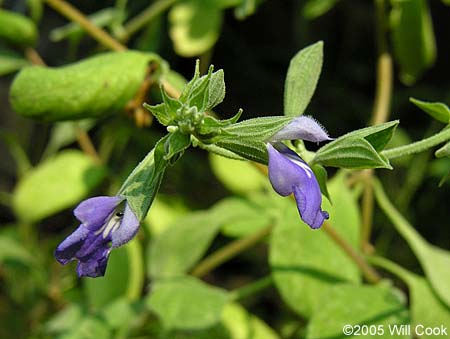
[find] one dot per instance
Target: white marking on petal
(304, 166)
(112, 225)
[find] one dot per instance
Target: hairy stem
(252, 288)
(75, 15)
(147, 15)
(418, 146)
(230, 251)
(369, 272)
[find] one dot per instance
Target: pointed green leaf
(377, 307)
(301, 79)
(56, 184)
(378, 135)
(216, 90)
(94, 87)
(187, 303)
(351, 152)
(437, 110)
(143, 183)
(305, 263)
(249, 137)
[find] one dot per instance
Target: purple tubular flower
(288, 173)
(303, 127)
(103, 226)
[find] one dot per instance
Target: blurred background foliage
(207, 201)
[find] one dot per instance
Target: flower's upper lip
(301, 128)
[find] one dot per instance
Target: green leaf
(187, 303)
(357, 305)
(301, 79)
(194, 26)
(94, 87)
(444, 151)
(378, 135)
(238, 176)
(176, 144)
(17, 29)
(315, 8)
(13, 250)
(413, 38)
(174, 251)
(307, 263)
(241, 324)
(118, 313)
(322, 177)
(437, 110)
(249, 137)
(10, 64)
(65, 320)
(242, 217)
(56, 184)
(426, 308)
(123, 280)
(434, 261)
(165, 211)
(216, 89)
(351, 152)
(143, 183)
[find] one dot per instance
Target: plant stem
(418, 146)
(33, 56)
(369, 272)
(229, 251)
(380, 114)
(85, 143)
(408, 232)
(147, 15)
(367, 213)
(252, 288)
(75, 15)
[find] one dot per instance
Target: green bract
(96, 87)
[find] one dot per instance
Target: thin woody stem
(75, 15)
(230, 251)
(380, 114)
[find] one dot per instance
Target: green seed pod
(92, 88)
(17, 29)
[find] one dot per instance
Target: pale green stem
(75, 15)
(230, 251)
(418, 146)
(136, 276)
(401, 224)
(147, 15)
(252, 288)
(390, 266)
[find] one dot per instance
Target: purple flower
(288, 173)
(106, 223)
